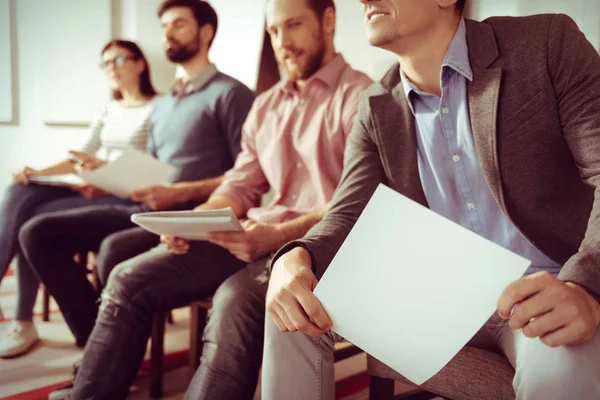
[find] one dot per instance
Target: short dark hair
(146, 86)
(460, 5)
(319, 6)
(203, 12)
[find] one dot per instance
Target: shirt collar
(181, 88)
(329, 74)
(457, 59)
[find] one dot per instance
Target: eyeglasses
(117, 62)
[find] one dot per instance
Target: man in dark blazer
(495, 125)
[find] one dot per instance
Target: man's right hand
(23, 176)
(290, 299)
(175, 245)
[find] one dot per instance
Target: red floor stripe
(351, 385)
(173, 361)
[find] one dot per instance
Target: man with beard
(196, 127)
(294, 142)
(494, 125)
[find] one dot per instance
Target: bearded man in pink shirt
(293, 143)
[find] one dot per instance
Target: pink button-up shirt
(294, 143)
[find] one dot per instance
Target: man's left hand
(159, 197)
(90, 192)
(255, 241)
(559, 313)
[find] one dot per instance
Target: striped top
(119, 127)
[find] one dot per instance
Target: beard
(180, 53)
(382, 39)
(313, 63)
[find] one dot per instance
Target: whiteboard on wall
(237, 47)
(6, 76)
(70, 35)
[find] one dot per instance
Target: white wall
(6, 90)
(351, 41)
(585, 12)
(238, 44)
(31, 141)
(37, 144)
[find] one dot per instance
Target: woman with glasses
(122, 124)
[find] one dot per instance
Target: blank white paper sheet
(411, 287)
(133, 170)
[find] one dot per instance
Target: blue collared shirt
(451, 175)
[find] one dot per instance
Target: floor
(32, 376)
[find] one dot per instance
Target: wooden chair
(198, 315)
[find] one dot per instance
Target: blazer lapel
(396, 136)
(483, 94)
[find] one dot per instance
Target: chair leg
(157, 356)
(381, 388)
(170, 319)
(95, 281)
(198, 316)
(45, 305)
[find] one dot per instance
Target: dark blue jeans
(18, 205)
(49, 241)
(153, 281)
(233, 338)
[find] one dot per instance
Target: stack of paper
(190, 225)
(411, 287)
(65, 180)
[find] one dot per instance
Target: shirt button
(456, 158)
(299, 165)
(470, 206)
(445, 110)
(295, 197)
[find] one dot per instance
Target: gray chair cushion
(474, 374)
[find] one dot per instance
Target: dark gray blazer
(534, 105)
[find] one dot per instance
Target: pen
(74, 159)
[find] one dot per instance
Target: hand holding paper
(84, 161)
(91, 192)
(175, 245)
(158, 197)
(256, 240)
(189, 225)
(23, 176)
(559, 313)
(389, 293)
(130, 172)
(290, 299)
